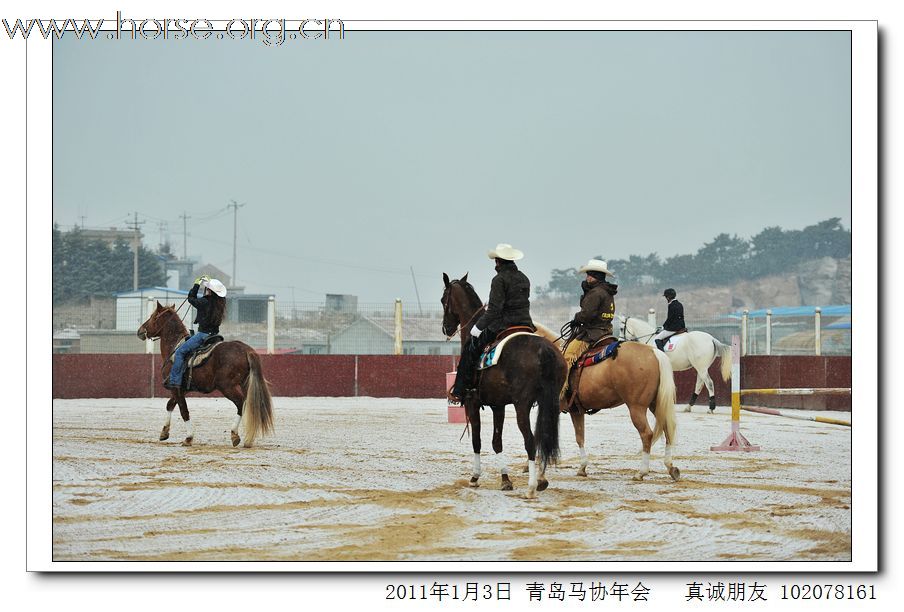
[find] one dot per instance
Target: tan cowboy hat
(216, 286)
(596, 265)
(505, 251)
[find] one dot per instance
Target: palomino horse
(233, 368)
(694, 349)
(531, 370)
(638, 376)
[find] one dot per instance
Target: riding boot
(464, 374)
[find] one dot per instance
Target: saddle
(197, 357)
(602, 349)
(493, 351)
(667, 344)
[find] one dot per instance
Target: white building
(132, 306)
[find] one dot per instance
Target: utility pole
(414, 280)
(136, 243)
(185, 219)
(235, 225)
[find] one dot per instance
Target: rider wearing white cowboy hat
(593, 321)
(211, 308)
(508, 306)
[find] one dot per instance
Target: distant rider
(674, 322)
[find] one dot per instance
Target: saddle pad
(492, 355)
(598, 355)
(672, 342)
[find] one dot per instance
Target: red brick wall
(104, 375)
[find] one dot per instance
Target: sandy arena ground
(363, 479)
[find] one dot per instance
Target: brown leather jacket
(597, 311)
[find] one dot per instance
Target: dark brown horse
(531, 370)
(233, 368)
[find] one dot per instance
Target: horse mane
(547, 333)
(470, 293)
(173, 321)
(646, 326)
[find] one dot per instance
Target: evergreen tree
(83, 267)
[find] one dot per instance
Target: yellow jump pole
(735, 440)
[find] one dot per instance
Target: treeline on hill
(83, 267)
(723, 261)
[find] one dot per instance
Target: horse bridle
(624, 333)
(446, 311)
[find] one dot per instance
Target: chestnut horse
(531, 370)
(233, 368)
(639, 376)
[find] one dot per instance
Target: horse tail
(551, 381)
(547, 333)
(724, 351)
(257, 412)
(665, 400)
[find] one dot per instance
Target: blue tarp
(797, 311)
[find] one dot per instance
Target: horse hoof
(583, 471)
(525, 469)
(187, 441)
(164, 435)
(235, 439)
(640, 476)
(507, 485)
(473, 482)
(531, 494)
(247, 444)
(542, 485)
(675, 473)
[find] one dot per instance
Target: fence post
(818, 336)
(744, 318)
(735, 440)
(769, 332)
(397, 345)
(271, 324)
(149, 344)
(651, 317)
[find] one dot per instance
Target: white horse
(694, 349)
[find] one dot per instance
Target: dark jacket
(675, 320)
(597, 311)
(205, 312)
(509, 302)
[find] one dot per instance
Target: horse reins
(636, 338)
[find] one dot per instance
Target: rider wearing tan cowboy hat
(211, 308)
(594, 321)
(508, 306)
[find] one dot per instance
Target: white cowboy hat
(505, 251)
(216, 286)
(596, 265)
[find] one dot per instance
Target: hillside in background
(818, 282)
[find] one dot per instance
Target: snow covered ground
(365, 479)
